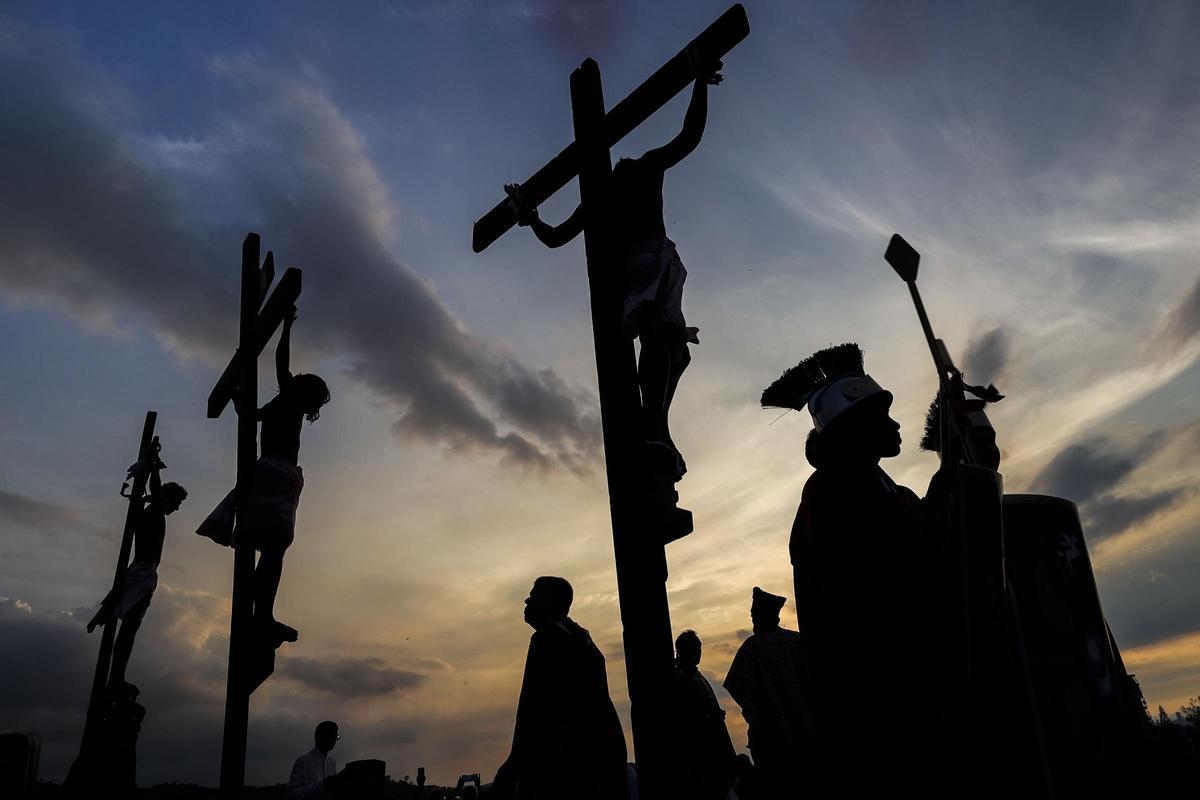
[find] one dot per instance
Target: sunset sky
(1041, 156)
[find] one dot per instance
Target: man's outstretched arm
(558, 235)
(549, 235)
(694, 120)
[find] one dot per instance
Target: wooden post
(237, 694)
(639, 548)
(241, 376)
(108, 634)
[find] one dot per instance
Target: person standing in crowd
(703, 751)
(567, 732)
(864, 554)
(313, 771)
(765, 679)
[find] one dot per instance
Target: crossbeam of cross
(656, 91)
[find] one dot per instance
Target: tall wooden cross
(250, 661)
(137, 491)
(638, 536)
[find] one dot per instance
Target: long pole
(104, 659)
(237, 694)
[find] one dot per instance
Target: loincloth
(654, 277)
(140, 582)
(268, 515)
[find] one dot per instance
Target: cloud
(1085, 470)
(1183, 321)
(117, 228)
(179, 662)
(1111, 515)
(1092, 473)
(580, 26)
(349, 677)
(29, 512)
(988, 355)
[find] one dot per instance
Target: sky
(1040, 156)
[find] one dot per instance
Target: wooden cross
(137, 491)
(249, 664)
(638, 536)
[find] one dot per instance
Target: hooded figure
(864, 552)
(766, 680)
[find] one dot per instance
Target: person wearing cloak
(653, 274)
(703, 751)
(766, 680)
(267, 516)
(567, 733)
(130, 603)
(865, 554)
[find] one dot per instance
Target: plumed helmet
(828, 383)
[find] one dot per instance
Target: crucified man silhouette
(653, 274)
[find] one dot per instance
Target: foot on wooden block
(276, 633)
(673, 523)
(284, 633)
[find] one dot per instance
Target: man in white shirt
(311, 770)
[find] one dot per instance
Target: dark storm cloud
(987, 355)
(349, 677)
(1085, 470)
(1091, 473)
(21, 509)
(112, 226)
(1109, 515)
(580, 26)
(1183, 322)
(47, 659)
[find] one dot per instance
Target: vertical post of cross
(104, 659)
(237, 695)
(640, 550)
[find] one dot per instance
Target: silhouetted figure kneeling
(130, 602)
(703, 751)
(864, 553)
(313, 774)
(268, 516)
(766, 680)
(653, 274)
(567, 739)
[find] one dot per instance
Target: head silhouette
(859, 436)
(326, 736)
(688, 649)
(309, 392)
(764, 609)
(171, 496)
(549, 601)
